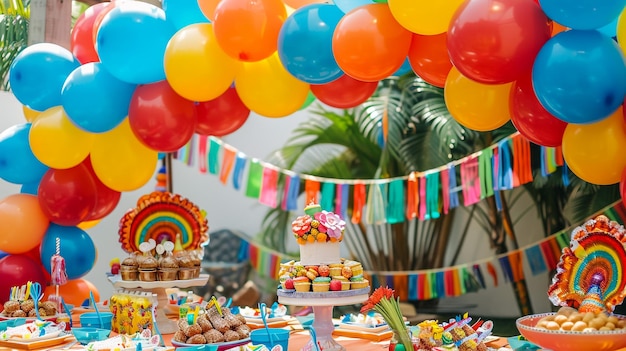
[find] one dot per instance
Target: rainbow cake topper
(590, 274)
(160, 216)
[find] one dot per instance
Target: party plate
(28, 319)
(36, 344)
(364, 327)
(220, 346)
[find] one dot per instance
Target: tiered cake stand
(165, 325)
(323, 303)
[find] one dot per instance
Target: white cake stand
(165, 325)
(323, 303)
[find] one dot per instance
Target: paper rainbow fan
(590, 274)
(160, 216)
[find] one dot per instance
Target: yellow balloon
(57, 142)
(595, 152)
(29, 113)
(266, 88)
(621, 31)
(477, 106)
(88, 224)
(426, 17)
(121, 161)
(195, 66)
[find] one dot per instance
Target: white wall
(228, 208)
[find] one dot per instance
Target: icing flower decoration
(333, 224)
(301, 225)
(317, 225)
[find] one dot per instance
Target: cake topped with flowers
(318, 233)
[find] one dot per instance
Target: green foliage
(14, 16)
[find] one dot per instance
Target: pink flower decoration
(301, 225)
(332, 222)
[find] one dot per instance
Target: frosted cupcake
(358, 282)
(345, 283)
(321, 284)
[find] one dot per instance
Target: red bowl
(557, 340)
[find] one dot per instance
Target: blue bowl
(87, 335)
(10, 323)
(90, 319)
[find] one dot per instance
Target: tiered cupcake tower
(321, 279)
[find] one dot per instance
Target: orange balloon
(428, 56)
(248, 29)
(369, 44)
(208, 8)
(558, 28)
(481, 107)
(23, 223)
(595, 152)
(74, 292)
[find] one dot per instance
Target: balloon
(247, 30)
(181, 13)
(195, 65)
(266, 88)
(583, 14)
(3, 254)
(17, 270)
(424, 16)
(610, 30)
(161, 119)
(404, 69)
(82, 39)
(495, 41)
(22, 218)
(88, 224)
(208, 8)
(94, 99)
(67, 196)
(57, 142)
(120, 160)
(38, 72)
(29, 114)
(305, 43)
(309, 100)
(106, 199)
(349, 5)
(30, 188)
(530, 118)
(345, 92)
(296, 4)
(621, 31)
(75, 291)
(481, 107)
(369, 44)
(18, 164)
(622, 186)
(77, 249)
(580, 76)
(595, 152)
(429, 58)
(98, 20)
(223, 115)
(131, 42)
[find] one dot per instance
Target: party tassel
(341, 200)
(521, 152)
(412, 197)
(440, 284)
(493, 273)
(517, 268)
(269, 186)
(291, 193)
(328, 196)
(478, 273)
(202, 157)
(449, 282)
(505, 172)
(423, 213)
(427, 287)
(433, 284)
(358, 202)
(375, 210)
(558, 156)
(400, 282)
(214, 151)
(550, 259)
(535, 260)
(505, 264)
(255, 177)
(563, 240)
(228, 160)
(395, 204)
(413, 287)
(470, 283)
(457, 282)
(485, 173)
(254, 256)
(432, 195)
(311, 191)
(469, 182)
(240, 165)
(445, 190)
(495, 169)
(452, 186)
(421, 286)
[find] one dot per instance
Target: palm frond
(14, 16)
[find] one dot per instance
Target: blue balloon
(305, 43)
(18, 164)
(181, 13)
(610, 30)
(583, 14)
(37, 74)
(131, 42)
(30, 188)
(77, 249)
(349, 5)
(404, 69)
(94, 99)
(3, 254)
(580, 76)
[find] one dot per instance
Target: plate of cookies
(26, 309)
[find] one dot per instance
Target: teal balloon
(94, 99)
(610, 30)
(131, 42)
(30, 188)
(18, 164)
(77, 249)
(580, 76)
(404, 69)
(181, 13)
(349, 5)
(309, 100)
(583, 14)
(37, 74)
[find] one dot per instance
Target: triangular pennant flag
(470, 181)
(491, 269)
(453, 187)
(506, 268)
(478, 273)
(240, 165)
(535, 260)
(228, 160)
(358, 202)
(432, 195)
(255, 177)
(395, 204)
(517, 266)
(214, 152)
(341, 200)
(291, 192)
(269, 187)
(202, 153)
(311, 192)
(327, 196)
(375, 210)
(445, 190)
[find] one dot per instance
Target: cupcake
(168, 268)
(196, 259)
(302, 284)
(345, 283)
(358, 282)
(335, 269)
(321, 284)
(147, 269)
(129, 268)
(186, 267)
(356, 267)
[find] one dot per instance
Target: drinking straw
(263, 310)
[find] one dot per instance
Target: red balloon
(17, 270)
(428, 56)
(222, 115)
(67, 196)
(35, 255)
(160, 118)
(100, 16)
(345, 92)
(106, 198)
(530, 118)
(82, 39)
(495, 41)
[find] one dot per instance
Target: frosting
(321, 280)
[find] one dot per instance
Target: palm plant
(14, 16)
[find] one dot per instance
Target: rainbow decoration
(160, 216)
(590, 274)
